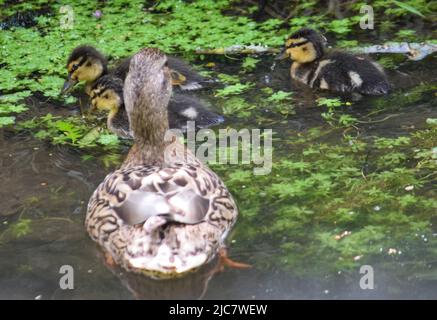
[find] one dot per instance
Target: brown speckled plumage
(163, 213)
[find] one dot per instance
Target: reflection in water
(192, 286)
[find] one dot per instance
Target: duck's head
(303, 46)
(147, 91)
(85, 63)
(106, 94)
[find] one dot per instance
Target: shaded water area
(46, 187)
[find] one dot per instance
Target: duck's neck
(140, 155)
(148, 128)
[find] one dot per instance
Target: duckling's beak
(177, 78)
(68, 85)
(282, 55)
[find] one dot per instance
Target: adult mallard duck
(163, 213)
(87, 64)
(107, 94)
(335, 71)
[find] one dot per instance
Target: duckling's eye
(105, 96)
(75, 66)
(304, 49)
(88, 64)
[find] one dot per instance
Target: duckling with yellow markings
(87, 64)
(335, 71)
(163, 213)
(106, 94)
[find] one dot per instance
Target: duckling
(86, 63)
(163, 213)
(335, 71)
(182, 75)
(107, 94)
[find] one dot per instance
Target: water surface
(49, 186)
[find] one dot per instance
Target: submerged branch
(414, 51)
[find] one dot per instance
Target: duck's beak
(282, 55)
(68, 85)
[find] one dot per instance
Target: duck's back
(161, 220)
(183, 108)
(345, 72)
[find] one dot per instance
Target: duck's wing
(357, 73)
(183, 108)
(187, 194)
